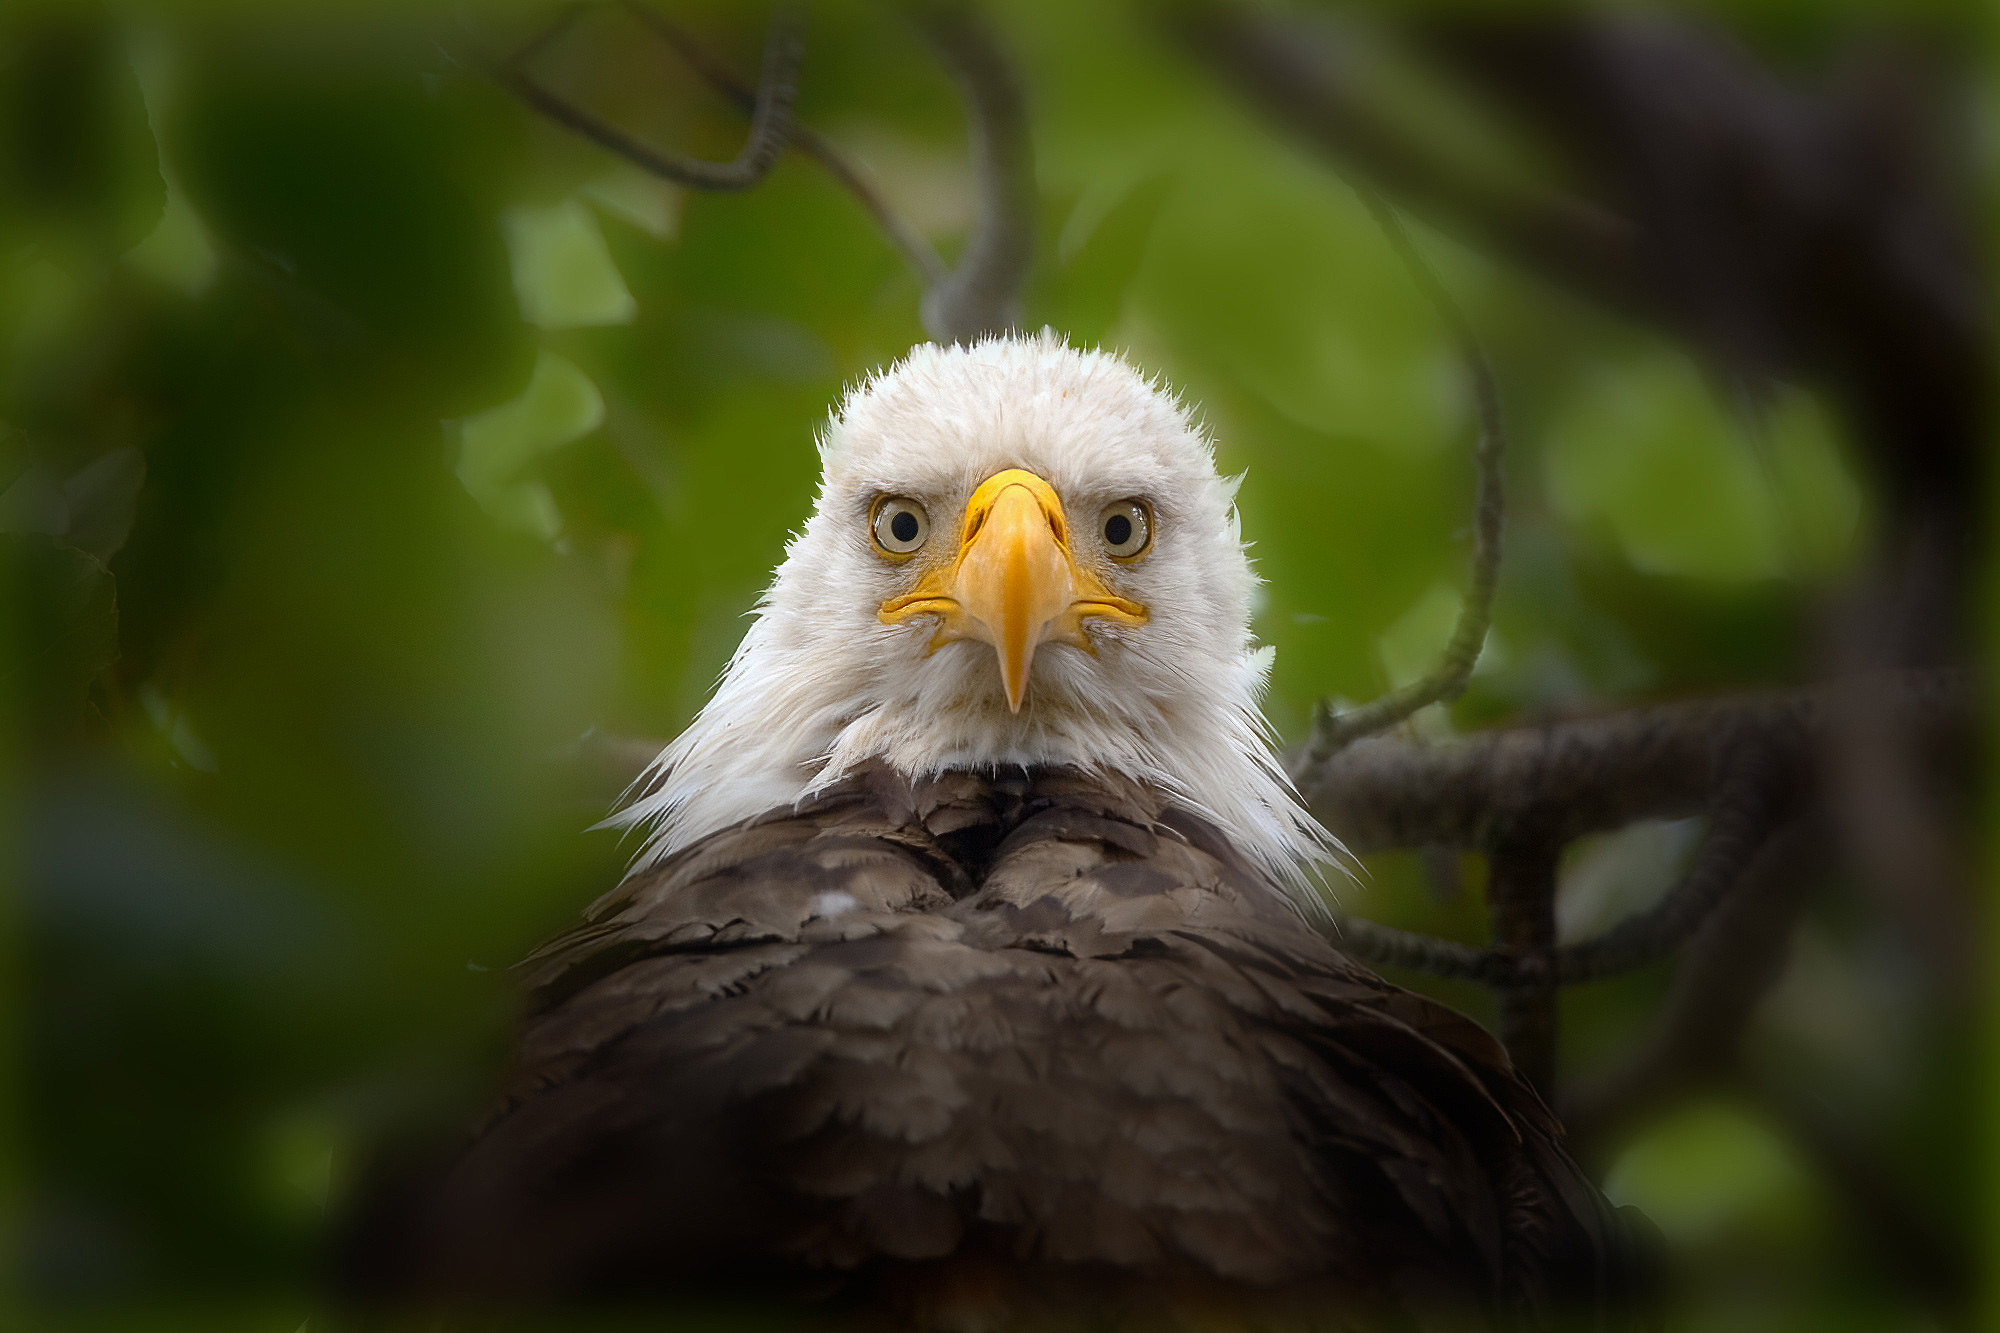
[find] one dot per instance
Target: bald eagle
(972, 973)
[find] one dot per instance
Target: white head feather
(820, 685)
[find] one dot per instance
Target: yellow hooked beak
(1013, 583)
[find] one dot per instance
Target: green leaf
(1820, 505)
(563, 275)
(1712, 1173)
(647, 202)
(499, 446)
(177, 252)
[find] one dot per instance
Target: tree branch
(1748, 804)
(1743, 759)
(1739, 826)
(1728, 967)
(1698, 169)
(1594, 774)
(982, 294)
(911, 244)
(1521, 896)
(1445, 681)
(770, 124)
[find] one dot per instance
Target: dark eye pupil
(1118, 529)
(903, 527)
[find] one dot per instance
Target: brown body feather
(988, 1050)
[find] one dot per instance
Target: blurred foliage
(367, 443)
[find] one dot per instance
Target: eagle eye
(1127, 528)
(900, 525)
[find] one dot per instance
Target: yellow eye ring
(1126, 529)
(901, 526)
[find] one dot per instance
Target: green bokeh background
(368, 443)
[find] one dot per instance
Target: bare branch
(1591, 774)
(1673, 137)
(911, 244)
(770, 124)
(1446, 681)
(983, 292)
(1749, 760)
(1740, 825)
(1728, 967)
(1747, 806)
(1521, 895)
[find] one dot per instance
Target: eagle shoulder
(1001, 1040)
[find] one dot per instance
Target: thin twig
(982, 294)
(911, 244)
(1446, 681)
(770, 123)
(1747, 807)
(1726, 969)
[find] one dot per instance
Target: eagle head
(1021, 555)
